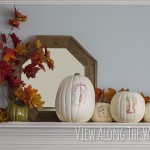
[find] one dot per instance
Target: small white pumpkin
(127, 107)
(147, 112)
(102, 113)
(75, 99)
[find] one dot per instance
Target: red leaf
(1, 45)
(16, 61)
(36, 58)
(6, 70)
(3, 37)
(48, 60)
(14, 82)
(46, 52)
(28, 45)
(50, 65)
(30, 70)
(15, 39)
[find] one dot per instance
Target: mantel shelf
(69, 125)
(60, 135)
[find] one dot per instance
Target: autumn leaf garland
(11, 57)
(101, 96)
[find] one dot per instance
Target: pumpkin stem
(77, 74)
(19, 102)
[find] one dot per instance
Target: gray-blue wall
(118, 37)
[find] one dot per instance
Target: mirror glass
(47, 83)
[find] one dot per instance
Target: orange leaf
(146, 98)
(98, 94)
(8, 55)
(19, 92)
(19, 15)
(14, 23)
(29, 96)
(109, 95)
(35, 98)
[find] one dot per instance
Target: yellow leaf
(8, 55)
(36, 100)
(41, 53)
(38, 44)
(21, 49)
(7, 58)
(3, 115)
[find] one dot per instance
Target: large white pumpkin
(75, 99)
(147, 112)
(127, 107)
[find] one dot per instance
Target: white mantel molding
(69, 136)
(78, 2)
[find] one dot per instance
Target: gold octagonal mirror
(69, 58)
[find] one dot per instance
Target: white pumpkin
(147, 112)
(75, 99)
(127, 107)
(102, 113)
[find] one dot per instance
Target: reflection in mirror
(47, 83)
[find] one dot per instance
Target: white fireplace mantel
(66, 136)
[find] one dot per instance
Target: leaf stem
(17, 71)
(9, 34)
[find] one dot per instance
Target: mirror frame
(71, 44)
(76, 50)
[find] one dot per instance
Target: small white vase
(102, 113)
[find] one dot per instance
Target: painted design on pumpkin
(103, 111)
(130, 105)
(79, 92)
